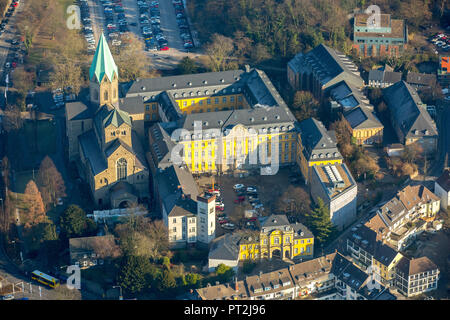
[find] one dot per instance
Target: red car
(15, 4)
(165, 48)
(220, 208)
(223, 221)
(253, 219)
(240, 199)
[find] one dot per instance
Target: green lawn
(22, 178)
(40, 136)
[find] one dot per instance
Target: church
(102, 139)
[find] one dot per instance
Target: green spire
(103, 62)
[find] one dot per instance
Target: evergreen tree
(187, 66)
(133, 274)
(166, 281)
(74, 222)
(224, 273)
(319, 222)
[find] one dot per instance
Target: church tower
(103, 76)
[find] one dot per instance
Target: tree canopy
(75, 223)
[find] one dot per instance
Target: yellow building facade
(278, 238)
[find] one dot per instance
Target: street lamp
(120, 288)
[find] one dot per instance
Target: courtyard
(269, 189)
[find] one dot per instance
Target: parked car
(238, 186)
(229, 226)
(8, 297)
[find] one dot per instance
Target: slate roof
(275, 220)
(363, 118)
(132, 105)
(225, 291)
(226, 247)
(328, 64)
(344, 270)
(421, 79)
(157, 85)
(80, 246)
(103, 63)
(384, 253)
(316, 140)
(301, 231)
(92, 152)
(364, 237)
(407, 111)
(161, 145)
(392, 211)
(77, 111)
(384, 76)
(116, 118)
(183, 207)
(256, 118)
(174, 181)
(444, 180)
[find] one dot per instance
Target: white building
(442, 189)
(335, 185)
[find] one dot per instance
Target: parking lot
(260, 202)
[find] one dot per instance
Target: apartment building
(330, 277)
(416, 276)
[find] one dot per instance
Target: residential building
(383, 77)
(442, 189)
(320, 69)
(405, 216)
(421, 80)
(86, 252)
(443, 72)
(313, 276)
(317, 146)
(409, 117)
(276, 285)
(388, 38)
(228, 291)
(416, 276)
(335, 185)
(330, 277)
(102, 140)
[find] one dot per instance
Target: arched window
(121, 169)
(105, 95)
(115, 93)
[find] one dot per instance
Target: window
(174, 229)
(296, 251)
(265, 241)
(174, 220)
(200, 102)
(114, 93)
(105, 95)
(240, 98)
(276, 240)
(224, 99)
(216, 100)
(208, 101)
(232, 99)
(121, 169)
(154, 106)
(184, 103)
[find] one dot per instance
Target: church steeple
(103, 75)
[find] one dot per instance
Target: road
(8, 35)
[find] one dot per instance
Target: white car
(238, 186)
(251, 189)
(59, 201)
(116, 42)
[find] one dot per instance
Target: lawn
(40, 136)
(22, 178)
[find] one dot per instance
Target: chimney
(247, 68)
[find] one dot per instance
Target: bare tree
(219, 51)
